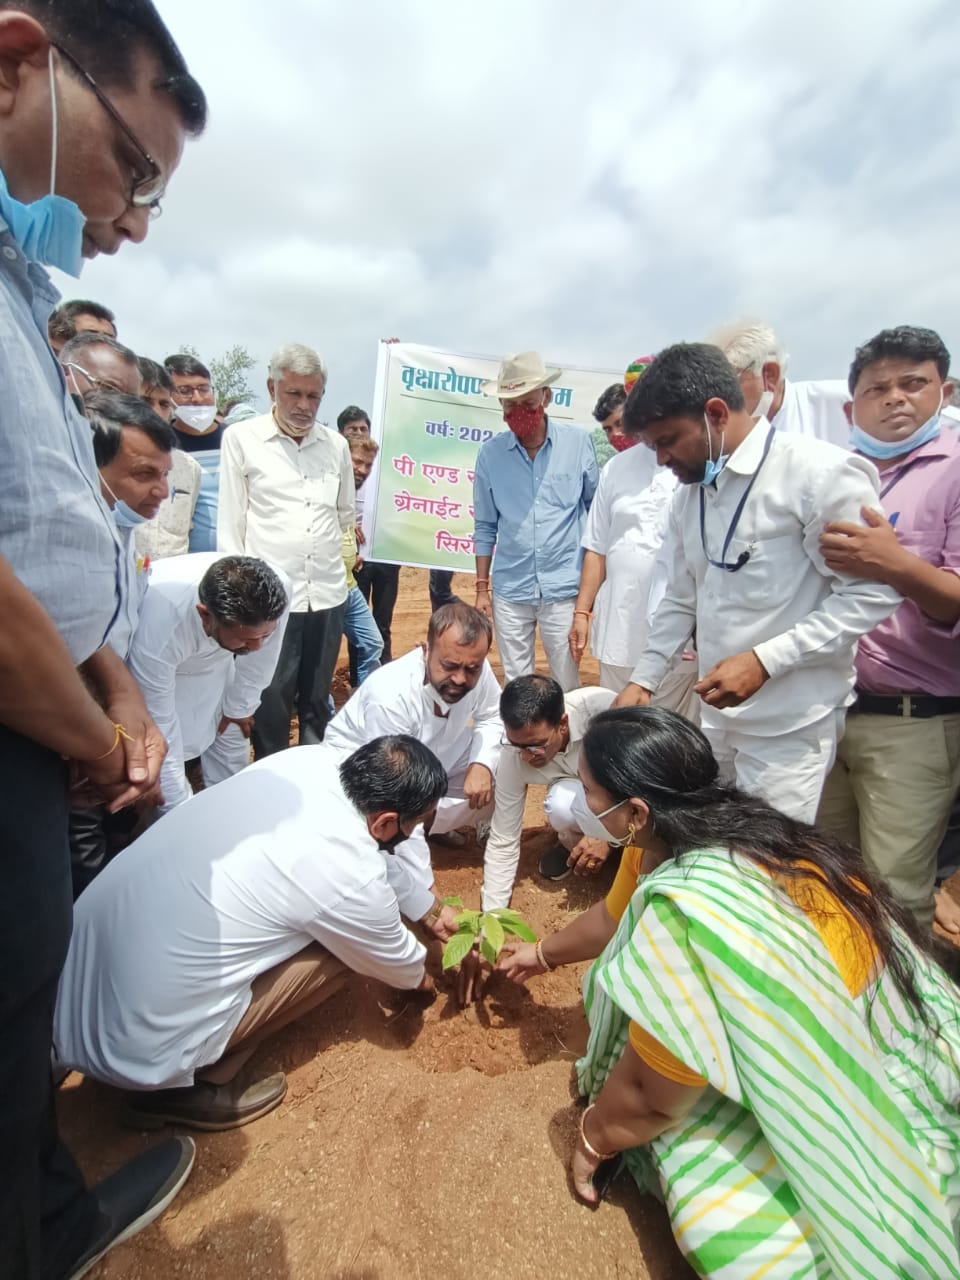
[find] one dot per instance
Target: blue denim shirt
(534, 512)
(56, 532)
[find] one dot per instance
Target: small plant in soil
(491, 927)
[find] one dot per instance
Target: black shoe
(553, 865)
(136, 1194)
(210, 1107)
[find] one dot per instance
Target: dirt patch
(415, 1140)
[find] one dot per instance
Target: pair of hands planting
(489, 940)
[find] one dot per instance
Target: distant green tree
(229, 373)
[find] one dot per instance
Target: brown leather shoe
(206, 1106)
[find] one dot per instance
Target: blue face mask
(883, 450)
(124, 517)
(714, 465)
(49, 230)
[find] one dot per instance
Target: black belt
(914, 706)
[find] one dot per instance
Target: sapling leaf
(455, 950)
(506, 913)
(469, 920)
(488, 951)
(452, 902)
(492, 931)
(519, 930)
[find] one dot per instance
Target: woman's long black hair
(664, 760)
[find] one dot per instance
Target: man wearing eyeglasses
(776, 628)
(96, 103)
(94, 362)
(542, 732)
(199, 434)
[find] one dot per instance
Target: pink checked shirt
(909, 652)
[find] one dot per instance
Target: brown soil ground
(415, 1140)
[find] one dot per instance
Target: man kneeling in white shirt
(235, 915)
(205, 648)
(776, 629)
(543, 729)
(447, 696)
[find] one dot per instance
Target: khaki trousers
(279, 996)
(890, 793)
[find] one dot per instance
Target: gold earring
(631, 833)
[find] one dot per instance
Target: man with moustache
(898, 764)
(96, 103)
(532, 489)
(447, 696)
(287, 495)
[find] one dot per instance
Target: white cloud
(594, 181)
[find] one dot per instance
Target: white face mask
(763, 404)
(590, 823)
(198, 417)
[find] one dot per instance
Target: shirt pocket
(560, 489)
(770, 575)
(322, 490)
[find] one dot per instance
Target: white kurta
(188, 681)
(802, 621)
(290, 504)
(626, 525)
(815, 409)
(395, 699)
(169, 938)
(514, 775)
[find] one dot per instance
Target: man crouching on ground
(237, 914)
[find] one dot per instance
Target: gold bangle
(482, 582)
(582, 613)
(118, 732)
(545, 963)
(590, 1149)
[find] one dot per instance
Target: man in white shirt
(776, 629)
(624, 533)
(447, 697)
(287, 495)
(237, 914)
(543, 729)
(206, 646)
(813, 408)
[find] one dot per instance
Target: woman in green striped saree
(771, 1040)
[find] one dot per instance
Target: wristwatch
(433, 915)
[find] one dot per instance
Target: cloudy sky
(591, 180)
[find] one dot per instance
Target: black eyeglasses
(146, 191)
(536, 749)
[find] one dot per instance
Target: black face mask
(390, 846)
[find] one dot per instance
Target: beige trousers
(890, 793)
(279, 996)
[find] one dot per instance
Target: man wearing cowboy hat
(532, 489)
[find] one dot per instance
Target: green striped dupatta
(824, 1146)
